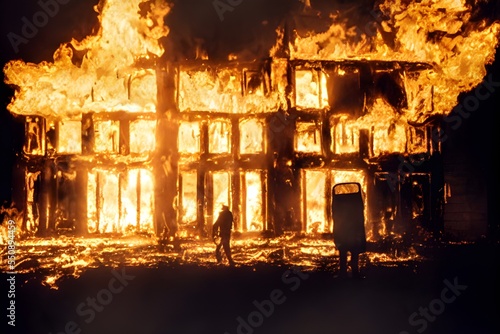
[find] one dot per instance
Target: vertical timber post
(165, 167)
(81, 200)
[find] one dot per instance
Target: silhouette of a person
(222, 229)
(348, 225)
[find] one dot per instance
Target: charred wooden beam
(47, 198)
(124, 141)
(204, 199)
(165, 164)
(81, 200)
(238, 195)
(375, 64)
(138, 186)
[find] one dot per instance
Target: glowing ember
(63, 257)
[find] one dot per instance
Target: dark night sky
(190, 20)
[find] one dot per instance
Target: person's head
(225, 207)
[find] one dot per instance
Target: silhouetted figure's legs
(227, 250)
(218, 254)
(224, 244)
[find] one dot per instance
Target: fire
(311, 89)
(187, 213)
(97, 106)
(252, 136)
(213, 91)
(388, 136)
(57, 259)
(107, 136)
(443, 33)
(308, 137)
(314, 195)
(142, 138)
(116, 72)
(120, 202)
(70, 137)
(220, 139)
(189, 137)
(253, 215)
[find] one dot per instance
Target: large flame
(442, 33)
(207, 90)
(116, 72)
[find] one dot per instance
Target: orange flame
(438, 32)
(115, 73)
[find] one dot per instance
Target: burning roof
(450, 35)
(117, 71)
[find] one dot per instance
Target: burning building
(120, 138)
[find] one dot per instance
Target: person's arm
(215, 228)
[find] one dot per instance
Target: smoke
(247, 29)
(55, 24)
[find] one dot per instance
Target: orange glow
(142, 136)
(188, 212)
(120, 202)
(221, 192)
(252, 136)
(387, 128)
(107, 136)
(108, 77)
(70, 137)
(345, 134)
(189, 137)
(315, 207)
(221, 91)
(253, 201)
(57, 259)
(222, 112)
(219, 137)
(459, 54)
(308, 137)
(310, 89)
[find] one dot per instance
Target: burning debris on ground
(53, 260)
